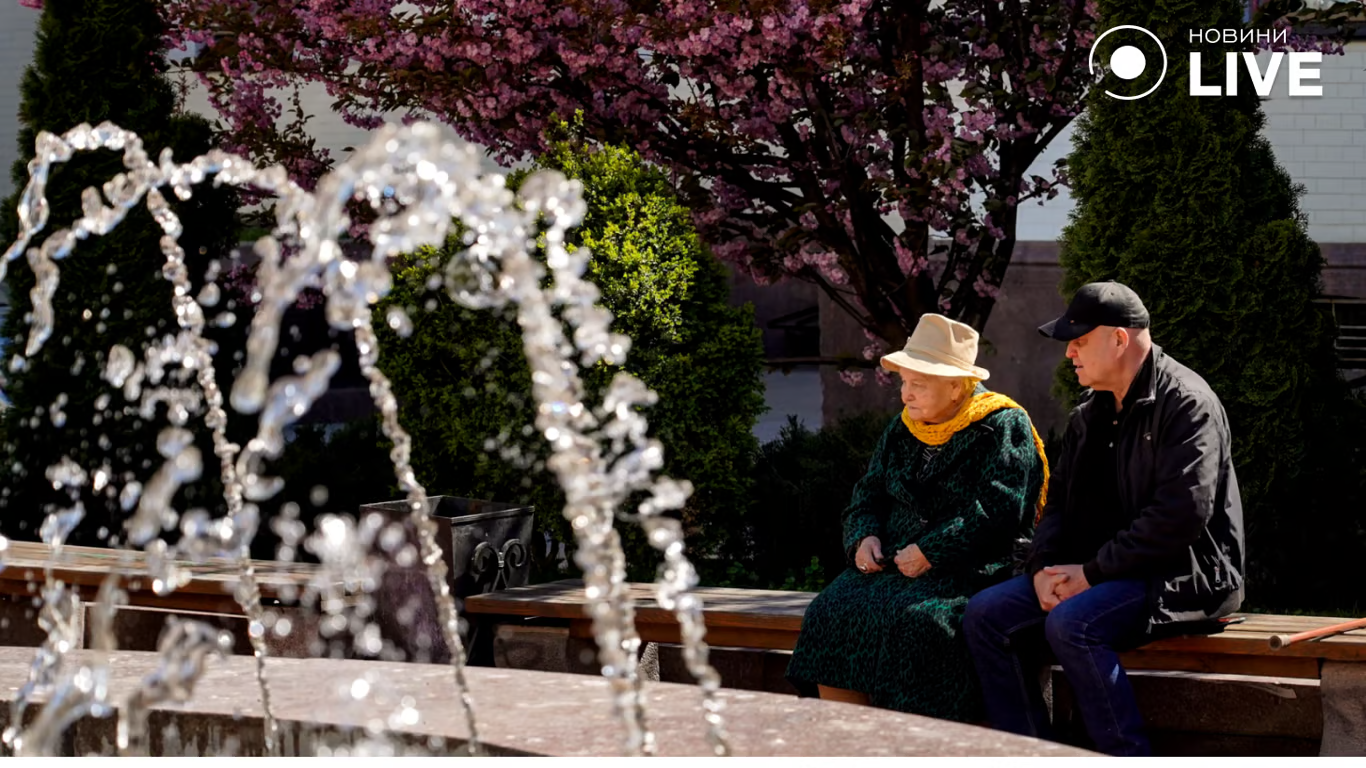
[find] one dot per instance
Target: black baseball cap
(1097, 304)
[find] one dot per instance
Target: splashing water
(183, 646)
(419, 185)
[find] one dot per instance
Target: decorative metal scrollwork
(487, 557)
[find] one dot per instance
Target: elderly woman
(955, 481)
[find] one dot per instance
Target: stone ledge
(1187, 713)
(519, 712)
(1193, 714)
(138, 628)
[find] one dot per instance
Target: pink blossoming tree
(831, 141)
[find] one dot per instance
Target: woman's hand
(911, 561)
(869, 552)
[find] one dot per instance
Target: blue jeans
(1083, 633)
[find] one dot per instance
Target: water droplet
(120, 365)
(129, 495)
(209, 295)
(399, 322)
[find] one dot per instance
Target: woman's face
(931, 399)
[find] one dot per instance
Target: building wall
(1320, 141)
(330, 131)
(17, 27)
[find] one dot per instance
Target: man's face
(1095, 356)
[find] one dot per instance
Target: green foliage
(461, 381)
(1181, 198)
(737, 575)
(790, 536)
(464, 385)
(96, 60)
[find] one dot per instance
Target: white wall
(17, 26)
(1321, 142)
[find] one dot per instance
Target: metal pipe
(1278, 642)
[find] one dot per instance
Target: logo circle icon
(1128, 62)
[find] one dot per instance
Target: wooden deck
(768, 619)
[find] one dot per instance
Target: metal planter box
(486, 546)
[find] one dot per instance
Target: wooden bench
(771, 620)
(209, 590)
(765, 620)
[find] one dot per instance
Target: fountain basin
(519, 712)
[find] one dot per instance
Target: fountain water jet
(419, 184)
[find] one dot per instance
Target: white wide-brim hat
(939, 347)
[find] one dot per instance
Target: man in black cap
(1142, 530)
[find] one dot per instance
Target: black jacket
(1178, 490)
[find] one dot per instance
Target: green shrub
(464, 385)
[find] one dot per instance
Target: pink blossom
(772, 118)
(907, 259)
(984, 287)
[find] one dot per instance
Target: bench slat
(773, 619)
(1261, 666)
(1337, 648)
(1275, 623)
(717, 637)
(765, 609)
(85, 569)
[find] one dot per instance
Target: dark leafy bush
(790, 537)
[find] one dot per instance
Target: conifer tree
(95, 60)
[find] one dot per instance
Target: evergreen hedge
(96, 60)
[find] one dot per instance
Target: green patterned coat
(966, 503)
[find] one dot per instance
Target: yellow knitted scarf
(974, 410)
